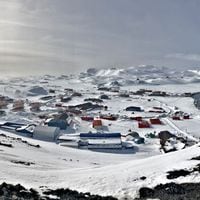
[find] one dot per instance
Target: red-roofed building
(143, 124)
(136, 118)
(97, 123)
(155, 121)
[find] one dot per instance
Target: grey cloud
(98, 33)
(192, 57)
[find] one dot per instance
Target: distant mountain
(144, 74)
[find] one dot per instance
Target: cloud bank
(71, 35)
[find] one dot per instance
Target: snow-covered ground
(100, 173)
(114, 173)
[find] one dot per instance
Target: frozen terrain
(117, 173)
(145, 74)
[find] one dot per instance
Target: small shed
(156, 111)
(137, 118)
(18, 105)
(134, 108)
(158, 108)
(87, 118)
(109, 117)
(60, 123)
(52, 91)
(186, 116)
(46, 133)
(104, 96)
(35, 106)
(143, 124)
(176, 118)
(97, 123)
(155, 121)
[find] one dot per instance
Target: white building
(105, 143)
(46, 133)
(100, 141)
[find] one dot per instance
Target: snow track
(179, 131)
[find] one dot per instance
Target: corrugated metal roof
(105, 141)
(100, 135)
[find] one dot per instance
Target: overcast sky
(72, 35)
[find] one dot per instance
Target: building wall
(46, 133)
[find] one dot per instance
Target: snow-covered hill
(53, 166)
(144, 74)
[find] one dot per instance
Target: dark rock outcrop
(172, 191)
(74, 195)
(177, 173)
(9, 191)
